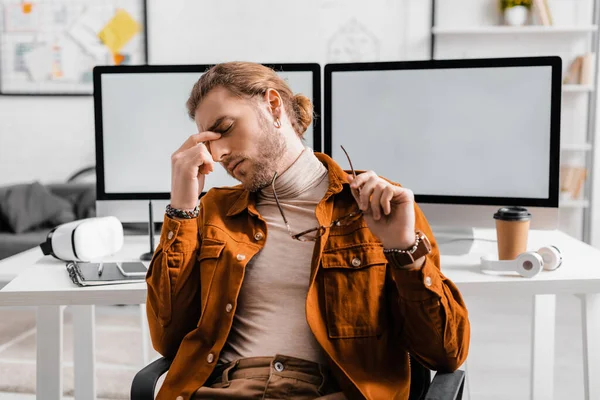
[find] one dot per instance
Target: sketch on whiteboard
(353, 42)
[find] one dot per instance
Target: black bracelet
(185, 214)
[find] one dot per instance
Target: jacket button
(241, 257)
(258, 236)
(278, 366)
(355, 262)
(427, 281)
(170, 235)
(228, 307)
(210, 358)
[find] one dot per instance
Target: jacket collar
(337, 178)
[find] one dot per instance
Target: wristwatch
(421, 248)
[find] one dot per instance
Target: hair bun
(304, 112)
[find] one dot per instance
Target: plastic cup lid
(513, 214)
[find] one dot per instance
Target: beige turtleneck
(271, 317)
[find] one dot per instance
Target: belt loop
(226, 371)
(323, 373)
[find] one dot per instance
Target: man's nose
(218, 149)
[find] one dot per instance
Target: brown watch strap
(421, 248)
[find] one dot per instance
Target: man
(304, 281)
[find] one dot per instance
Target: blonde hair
(250, 79)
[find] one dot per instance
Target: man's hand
(388, 209)
(189, 166)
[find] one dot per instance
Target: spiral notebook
(106, 273)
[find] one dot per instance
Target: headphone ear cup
(551, 256)
(529, 264)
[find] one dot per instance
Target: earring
(277, 123)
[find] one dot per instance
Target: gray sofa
(29, 211)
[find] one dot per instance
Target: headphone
(527, 264)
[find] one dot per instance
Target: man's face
(250, 146)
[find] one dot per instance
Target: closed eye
(226, 130)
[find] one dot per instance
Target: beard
(258, 170)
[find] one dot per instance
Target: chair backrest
(420, 380)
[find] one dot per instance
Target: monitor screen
(141, 120)
(480, 131)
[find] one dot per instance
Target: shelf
(574, 203)
(577, 88)
(576, 147)
(528, 29)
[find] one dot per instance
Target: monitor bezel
(98, 71)
(555, 62)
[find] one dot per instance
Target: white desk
(579, 275)
(45, 283)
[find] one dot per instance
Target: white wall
(48, 139)
(45, 138)
(275, 31)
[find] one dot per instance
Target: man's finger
(366, 191)
(355, 192)
(376, 207)
(386, 200)
(403, 195)
(361, 179)
(198, 156)
(196, 138)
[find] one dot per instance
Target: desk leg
(542, 346)
(590, 316)
(49, 352)
(84, 354)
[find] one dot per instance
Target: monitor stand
(148, 256)
(454, 241)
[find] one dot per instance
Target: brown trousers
(268, 378)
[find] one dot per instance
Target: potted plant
(515, 12)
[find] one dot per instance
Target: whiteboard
(51, 46)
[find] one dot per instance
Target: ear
(274, 102)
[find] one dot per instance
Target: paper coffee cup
(512, 231)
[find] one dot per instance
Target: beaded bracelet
(185, 214)
(411, 250)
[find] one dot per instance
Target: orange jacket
(366, 316)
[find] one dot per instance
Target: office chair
(444, 386)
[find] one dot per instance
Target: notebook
(106, 273)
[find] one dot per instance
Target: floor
(118, 351)
(498, 365)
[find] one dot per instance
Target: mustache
(231, 161)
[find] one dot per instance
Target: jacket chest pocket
(354, 281)
(208, 259)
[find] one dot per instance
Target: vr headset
(84, 240)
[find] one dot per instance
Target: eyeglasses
(307, 235)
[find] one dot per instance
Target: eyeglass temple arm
(297, 235)
(349, 161)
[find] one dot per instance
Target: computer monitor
(466, 136)
(141, 120)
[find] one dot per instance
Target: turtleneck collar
(304, 174)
